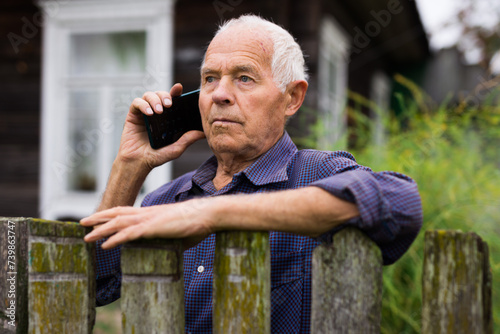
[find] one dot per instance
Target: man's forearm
(309, 211)
(124, 183)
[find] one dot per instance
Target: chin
(226, 148)
(224, 143)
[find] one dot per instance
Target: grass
(108, 319)
(453, 155)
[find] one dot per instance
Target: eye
(209, 79)
(245, 78)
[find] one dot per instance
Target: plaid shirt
(390, 214)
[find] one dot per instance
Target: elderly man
(252, 80)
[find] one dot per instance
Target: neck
(227, 166)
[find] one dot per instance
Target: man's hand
(135, 147)
(188, 220)
(135, 157)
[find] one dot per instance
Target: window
(332, 74)
(97, 57)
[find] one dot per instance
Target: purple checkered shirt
(390, 214)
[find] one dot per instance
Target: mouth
(223, 121)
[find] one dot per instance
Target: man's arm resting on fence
(308, 211)
(387, 208)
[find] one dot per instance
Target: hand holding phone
(183, 116)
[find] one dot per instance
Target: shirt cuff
(363, 189)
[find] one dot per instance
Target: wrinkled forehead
(242, 39)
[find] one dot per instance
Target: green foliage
(108, 319)
(453, 155)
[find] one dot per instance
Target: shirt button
(200, 269)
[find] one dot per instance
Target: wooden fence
(48, 282)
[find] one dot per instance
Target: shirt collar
(268, 168)
(204, 173)
(271, 166)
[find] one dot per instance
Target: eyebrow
(237, 69)
(207, 70)
(245, 68)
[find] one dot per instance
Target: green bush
(453, 155)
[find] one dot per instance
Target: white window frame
(333, 48)
(61, 20)
(380, 93)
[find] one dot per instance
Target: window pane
(84, 137)
(122, 98)
(108, 54)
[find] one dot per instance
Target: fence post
(14, 275)
(53, 275)
(152, 292)
(242, 283)
(347, 285)
(456, 284)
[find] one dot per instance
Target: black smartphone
(183, 116)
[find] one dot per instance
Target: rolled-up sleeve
(108, 274)
(388, 202)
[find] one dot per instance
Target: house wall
(448, 77)
(19, 108)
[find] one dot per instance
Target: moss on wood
(242, 283)
(347, 285)
(456, 284)
(152, 287)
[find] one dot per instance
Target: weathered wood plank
(242, 283)
(152, 292)
(61, 288)
(456, 284)
(347, 285)
(51, 268)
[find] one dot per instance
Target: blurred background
(410, 86)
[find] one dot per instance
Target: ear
(296, 92)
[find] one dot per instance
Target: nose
(223, 94)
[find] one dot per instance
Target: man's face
(243, 111)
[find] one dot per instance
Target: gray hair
(287, 64)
